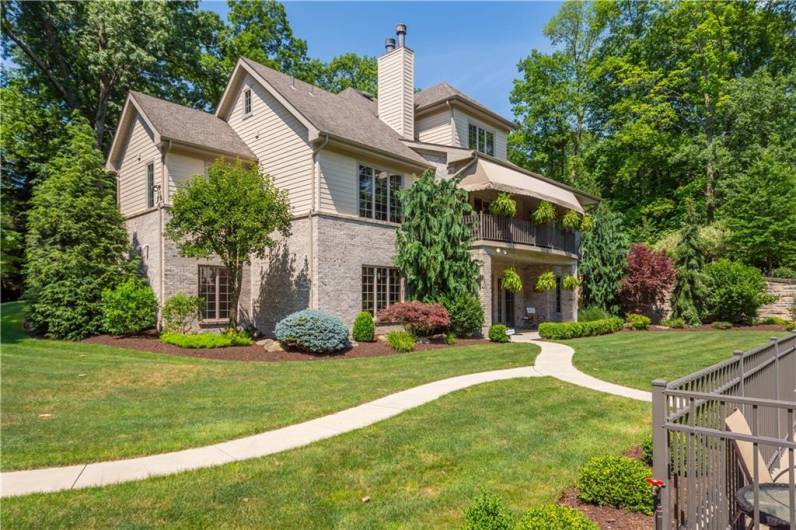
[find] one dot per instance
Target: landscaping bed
(151, 343)
(606, 517)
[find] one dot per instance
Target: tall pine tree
(604, 252)
(689, 288)
(76, 242)
(433, 243)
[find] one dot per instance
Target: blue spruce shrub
(312, 331)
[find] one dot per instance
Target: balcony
(519, 231)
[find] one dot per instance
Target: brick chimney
(397, 85)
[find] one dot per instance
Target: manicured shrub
(498, 333)
(466, 315)
(589, 314)
(735, 291)
(207, 340)
(487, 512)
(180, 312)
(570, 282)
(784, 272)
(674, 323)
(771, 321)
(511, 280)
(646, 449)
(312, 331)
(648, 277)
(419, 319)
(571, 220)
(544, 213)
(450, 338)
(721, 324)
(128, 308)
(364, 329)
(546, 282)
(555, 517)
(637, 321)
(503, 206)
(572, 330)
(616, 481)
(401, 341)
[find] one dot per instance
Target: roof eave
(231, 154)
(385, 154)
(442, 104)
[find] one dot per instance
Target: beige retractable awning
(484, 174)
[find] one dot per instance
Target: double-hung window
(214, 292)
(381, 287)
(481, 139)
(150, 185)
(247, 101)
(378, 194)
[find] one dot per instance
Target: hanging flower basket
(546, 282)
(511, 280)
(570, 282)
(586, 223)
(503, 206)
(571, 220)
(544, 213)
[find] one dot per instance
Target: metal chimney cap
(389, 44)
(400, 28)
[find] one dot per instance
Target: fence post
(775, 345)
(660, 454)
(739, 354)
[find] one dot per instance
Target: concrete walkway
(555, 360)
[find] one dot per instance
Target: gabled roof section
(191, 126)
(346, 117)
(443, 92)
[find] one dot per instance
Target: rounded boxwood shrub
(616, 481)
(401, 341)
(364, 329)
(511, 280)
(487, 512)
(544, 213)
(466, 315)
(180, 312)
(129, 307)
(555, 517)
(503, 206)
(546, 282)
(637, 321)
(312, 331)
(735, 291)
(497, 333)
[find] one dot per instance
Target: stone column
(485, 292)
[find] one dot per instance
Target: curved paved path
(555, 360)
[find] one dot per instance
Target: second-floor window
(378, 194)
(150, 185)
(481, 140)
(247, 101)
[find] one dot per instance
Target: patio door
(504, 305)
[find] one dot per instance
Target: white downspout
(161, 218)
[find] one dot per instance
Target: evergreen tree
(76, 242)
(689, 290)
(604, 251)
(433, 243)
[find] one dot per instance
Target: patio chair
(736, 423)
(530, 316)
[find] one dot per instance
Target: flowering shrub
(511, 280)
(312, 331)
(649, 276)
(503, 206)
(419, 319)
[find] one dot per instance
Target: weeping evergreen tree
(433, 243)
(604, 252)
(76, 243)
(689, 289)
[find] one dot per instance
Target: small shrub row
(401, 341)
(637, 321)
(772, 321)
(489, 513)
(206, 340)
(571, 330)
(312, 331)
(616, 481)
(676, 323)
(498, 333)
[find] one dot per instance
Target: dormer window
(247, 101)
(481, 140)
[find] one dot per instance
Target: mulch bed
(151, 343)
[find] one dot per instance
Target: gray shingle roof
(348, 115)
(443, 92)
(191, 126)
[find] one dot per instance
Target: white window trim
(247, 91)
(479, 126)
(376, 169)
(392, 269)
(155, 186)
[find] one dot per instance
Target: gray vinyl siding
(140, 151)
(279, 141)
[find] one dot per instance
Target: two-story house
(341, 158)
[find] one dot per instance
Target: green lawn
(635, 359)
(523, 439)
(66, 403)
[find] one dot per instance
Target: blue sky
(475, 46)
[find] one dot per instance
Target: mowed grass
(65, 403)
(637, 358)
(523, 439)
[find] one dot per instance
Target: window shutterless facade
(378, 194)
(247, 101)
(150, 185)
(381, 287)
(481, 140)
(214, 292)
